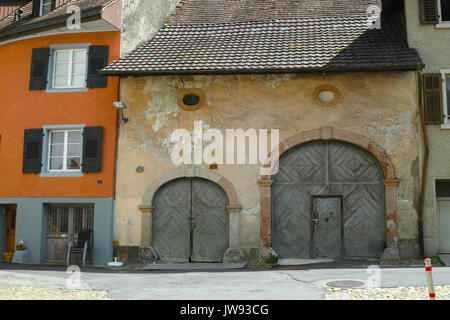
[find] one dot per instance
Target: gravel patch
(35, 293)
(402, 293)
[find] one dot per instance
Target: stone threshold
(193, 266)
(299, 262)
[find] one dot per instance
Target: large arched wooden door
(190, 221)
(328, 201)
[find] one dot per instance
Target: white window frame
(66, 142)
(70, 73)
(41, 7)
(441, 24)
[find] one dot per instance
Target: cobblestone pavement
(36, 293)
(402, 293)
(285, 283)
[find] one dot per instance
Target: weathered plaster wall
(141, 19)
(433, 45)
(380, 106)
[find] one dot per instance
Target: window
(191, 99)
(446, 95)
(69, 68)
(444, 11)
(65, 149)
(442, 189)
(69, 219)
(46, 7)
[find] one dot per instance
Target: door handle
(316, 223)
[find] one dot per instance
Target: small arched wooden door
(190, 221)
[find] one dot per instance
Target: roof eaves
(262, 71)
(15, 30)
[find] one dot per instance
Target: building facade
(428, 26)
(58, 131)
(337, 80)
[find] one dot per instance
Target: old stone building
(428, 26)
(339, 82)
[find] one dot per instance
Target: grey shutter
(428, 12)
(36, 8)
(32, 150)
(92, 149)
(98, 59)
(432, 98)
(39, 68)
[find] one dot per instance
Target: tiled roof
(28, 22)
(232, 36)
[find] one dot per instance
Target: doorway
(190, 221)
(11, 215)
(327, 227)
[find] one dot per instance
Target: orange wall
(22, 109)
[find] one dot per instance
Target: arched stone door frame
(233, 253)
(390, 182)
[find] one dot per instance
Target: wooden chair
(83, 245)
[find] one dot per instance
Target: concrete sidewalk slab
(445, 259)
(193, 266)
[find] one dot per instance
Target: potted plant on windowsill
(20, 245)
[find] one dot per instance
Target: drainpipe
(425, 165)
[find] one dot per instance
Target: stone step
(193, 266)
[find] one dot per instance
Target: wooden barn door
(190, 221)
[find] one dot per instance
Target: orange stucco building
(58, 129)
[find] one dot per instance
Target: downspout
(425, 165)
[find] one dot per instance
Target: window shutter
(98, 59)
(32, 150)
(428, 12)
(92, 149)
(36, 8)
(53, 5)
(432, 96)
(39, 68)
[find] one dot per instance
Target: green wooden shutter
(98, 59)
(53, 5)
(432, 98)
(428, 12)
(39, 68)
(92, 149)
(32, 150)
(36, 8)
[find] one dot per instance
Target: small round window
(191, 99)
(326, 95)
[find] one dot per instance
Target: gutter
(139, 73)
(425, 165)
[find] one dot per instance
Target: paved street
(280, 283)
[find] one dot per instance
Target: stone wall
(381, 107)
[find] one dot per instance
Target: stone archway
(234, 208)
(326, 134)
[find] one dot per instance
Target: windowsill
(445, 126)
(443, 25)
(61, 174)
(52, 90)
